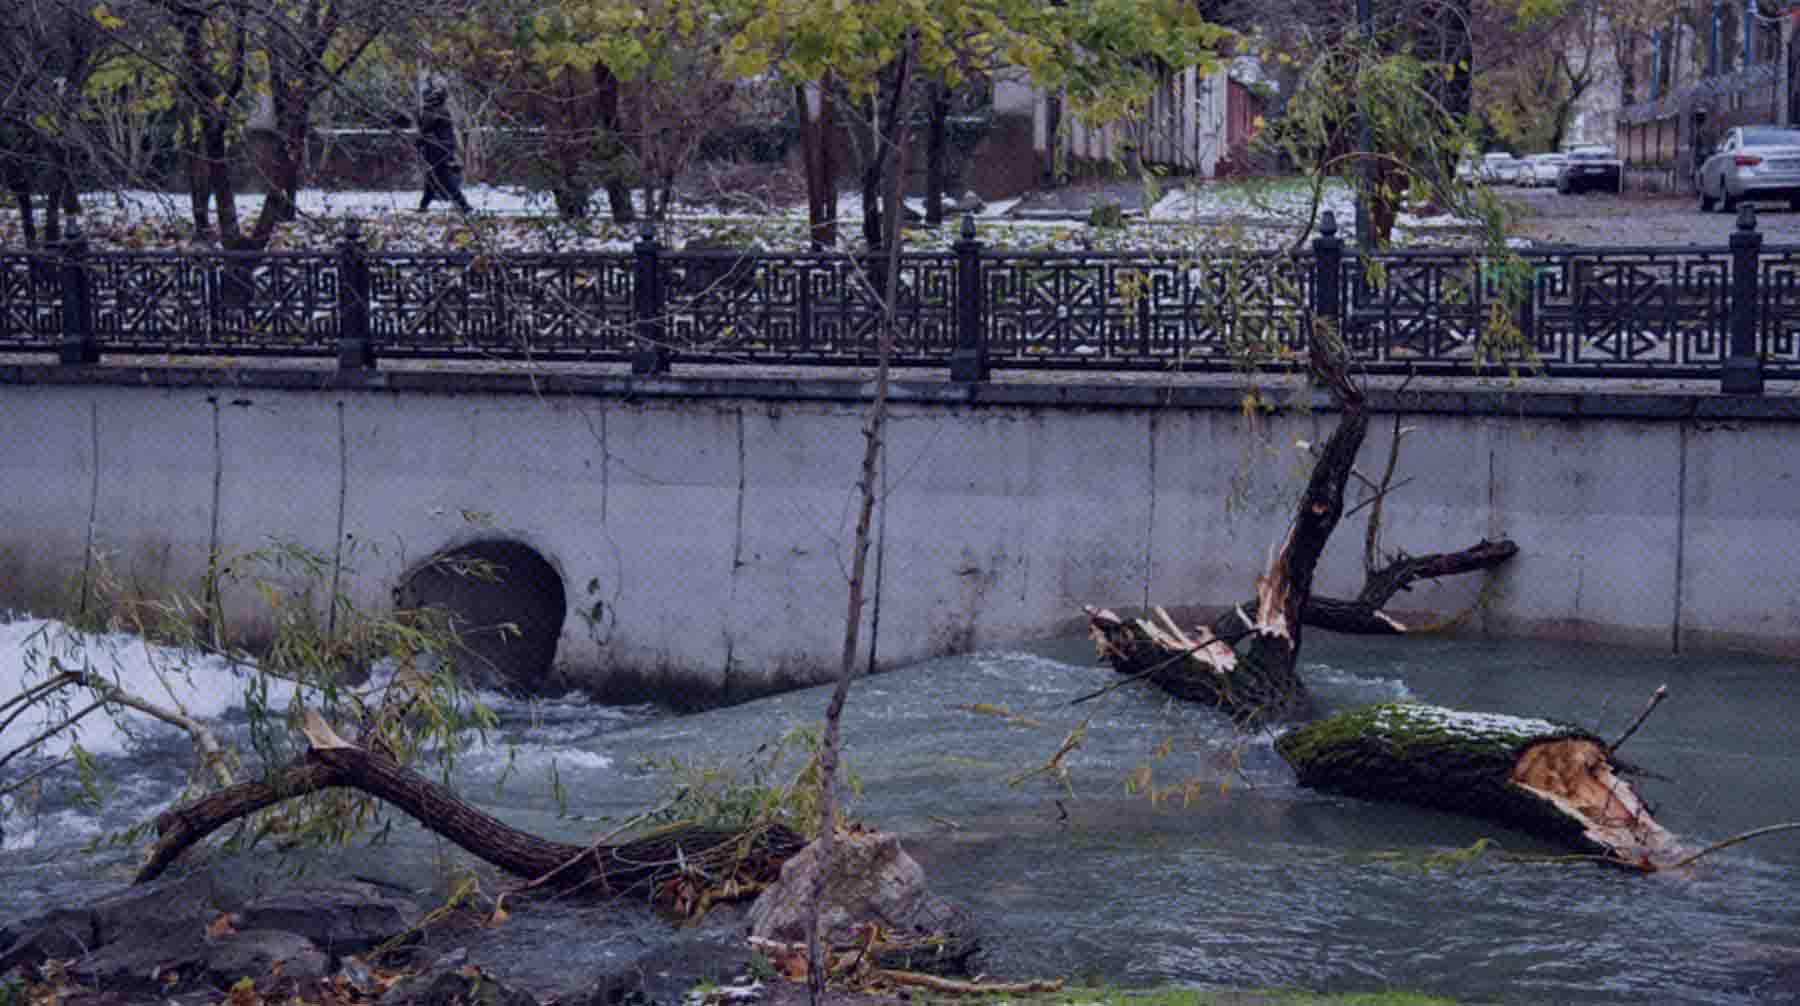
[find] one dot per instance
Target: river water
(1244, 879)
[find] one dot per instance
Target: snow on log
(1198, 668)
(1550, 780)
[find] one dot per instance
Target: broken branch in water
(956, 987)
(1770, 829)
(1662, 692)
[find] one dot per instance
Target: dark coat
(437, 137)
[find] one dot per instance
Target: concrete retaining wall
(701, 526)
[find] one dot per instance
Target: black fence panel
(517, 306)
(31, 303)
(235, 303)
(1626, 312)
(1779, 335)
(727, 306)
(1141, 310)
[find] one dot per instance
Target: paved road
(1603, 218)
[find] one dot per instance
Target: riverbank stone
(207, 929)
(871, 880)
(339, 917)
(664, 976)
(137, 914)
(276, 960)
(455, 985)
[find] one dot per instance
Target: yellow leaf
(221, 927)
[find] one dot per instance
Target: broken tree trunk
(1252, 676)
(683, 865)
(1551, 780)
(1365, 615)
(1200, 668)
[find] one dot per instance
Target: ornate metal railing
(1154, 310)
(31, 301)
(279, 303)
(550, 307)
(1729, 311)
(723, 306)
(1625, 312)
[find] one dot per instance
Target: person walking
(437, 147)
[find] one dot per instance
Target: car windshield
(1591, 155)
(1772, 137)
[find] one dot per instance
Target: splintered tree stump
(1199, 667)
(1550, 780)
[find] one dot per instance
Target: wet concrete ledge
(1472, 395)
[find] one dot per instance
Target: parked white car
(1541, 169)
(1753, 162)
(1500, 168)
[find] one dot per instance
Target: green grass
(1199, 997)
(1174, 996)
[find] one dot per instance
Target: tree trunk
(872, 171)
(1256, 682)
(21, 191)
(813, 104)
(1052, 126)
(874, 432)
(677, 857)
(1550, 780)
(199, 185)
(218, 178)
(616, 183)
(15, 159)
(937, 153)
(290, 140)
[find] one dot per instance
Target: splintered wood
(1576, 776)
(1208, 651)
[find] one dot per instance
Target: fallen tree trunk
(1201, 668)
(1551, 780)
(683, 864)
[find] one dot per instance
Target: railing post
(1328, 271)
(651, 355)
(1742, 371)
(969, 361)
(356, 349)
(78, 343)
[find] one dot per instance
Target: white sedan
(1541, 169)
(1753, 162)
(1500, 168)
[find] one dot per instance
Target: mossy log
(1551, 780)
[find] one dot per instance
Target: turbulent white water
(196, 684)
(143, 761)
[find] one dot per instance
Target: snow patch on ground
(1197, 218)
